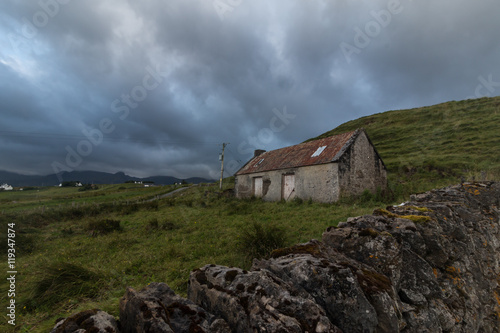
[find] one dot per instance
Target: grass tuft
(60, 282)
(259, 240)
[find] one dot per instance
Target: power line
(234, 154)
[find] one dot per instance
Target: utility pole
(221, 158)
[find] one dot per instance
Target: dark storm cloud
(155, 87)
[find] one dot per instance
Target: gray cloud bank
(155, 87)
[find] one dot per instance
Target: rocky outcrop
(428, 265)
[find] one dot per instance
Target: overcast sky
(155, 87)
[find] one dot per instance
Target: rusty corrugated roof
(319, 151)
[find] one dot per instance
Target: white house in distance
(77, 184)
(6, 187)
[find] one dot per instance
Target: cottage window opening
(258, 163)
(318, 151)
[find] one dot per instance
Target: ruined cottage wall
(271, 185)
(361, 168)
(317, 182)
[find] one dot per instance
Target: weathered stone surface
(87, 321)
(355, 297)
(157, 308)
(428, 265)
(440, 251)
(256, 301)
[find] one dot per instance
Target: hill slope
(433, 145)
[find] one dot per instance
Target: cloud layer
(155, 87)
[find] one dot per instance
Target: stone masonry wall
(316, 182)
(360, 168)
(428, 265)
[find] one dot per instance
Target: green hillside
(431, 146)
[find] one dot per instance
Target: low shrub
(367, 198)
(88, 187)
(258, 240)
(129, 209)
(73, 213)
(67, 231)
(150, 205)
(169, 202)
(154, 224)
(30, 188)
(25, 242)
(168, 225)
(240, 207)
(102, 227)
(186, 202)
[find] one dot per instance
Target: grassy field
(80, 250)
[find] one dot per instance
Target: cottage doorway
(257, 187)
(288, 189)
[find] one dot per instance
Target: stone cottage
(321, 170)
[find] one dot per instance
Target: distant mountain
(88, 177)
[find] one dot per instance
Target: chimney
(258, 152)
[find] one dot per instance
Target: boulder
(87, 321)
(157, 308)
(256, 301)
